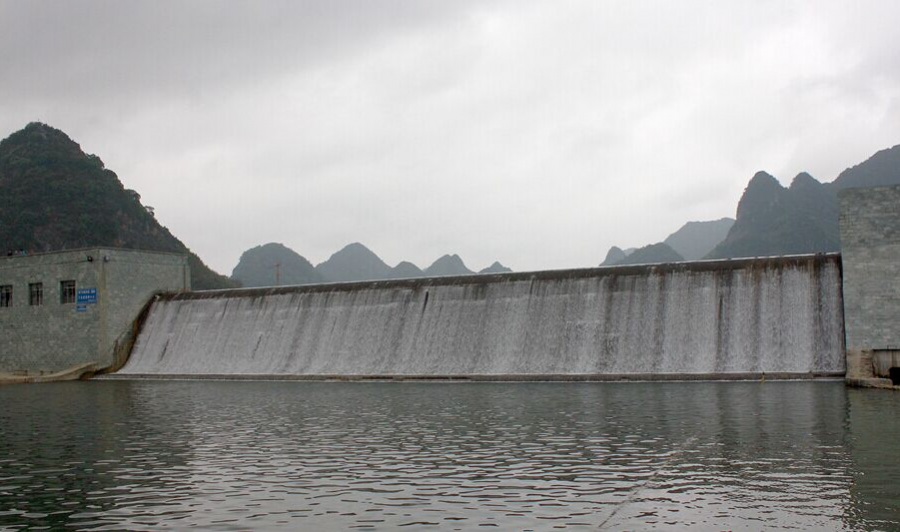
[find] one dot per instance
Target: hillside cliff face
(774, 220)
(803, 218)
(274, 264)
(53, 196)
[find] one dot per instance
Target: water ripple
(242, 455)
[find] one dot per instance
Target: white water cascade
(776, 315)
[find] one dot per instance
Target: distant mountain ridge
(274, 264)
(496, 267)
(354, 262)
(694, 240)
(881, 169)
(803, 218)
(53, 197)
(448, 265)
(406, 270)
(652, 254)
(775, 220)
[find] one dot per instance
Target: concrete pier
(870, 247)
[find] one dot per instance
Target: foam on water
(765, 315)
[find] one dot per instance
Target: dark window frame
(6, 295)
(67, 291)
(36, 294)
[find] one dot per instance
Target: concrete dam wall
(725, 319)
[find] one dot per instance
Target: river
(449, 456)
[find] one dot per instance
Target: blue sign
(80, 308)
(86, 295)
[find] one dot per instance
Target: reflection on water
(518, 456)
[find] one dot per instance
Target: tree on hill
(53, 196)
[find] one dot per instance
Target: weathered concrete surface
(70, 374)
(740, 318)
(871, 368)
(884, 360)
(870, 250)
(613, 377)
(52, 337)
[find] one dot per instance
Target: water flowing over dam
(713, 318)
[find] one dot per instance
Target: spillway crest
(764, 315)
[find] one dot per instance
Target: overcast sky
(533, 133)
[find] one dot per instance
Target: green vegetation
(274, 265)
(774, 220)
(53, 196)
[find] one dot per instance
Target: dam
(132, 314)
(732, 319)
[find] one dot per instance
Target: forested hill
(802, 218)
(53, 196)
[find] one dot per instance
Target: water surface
(449, 456)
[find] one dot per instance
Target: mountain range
(54, 196)
(274, 264)
(772, 219)
(693, 241)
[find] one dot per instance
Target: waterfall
(772, 315)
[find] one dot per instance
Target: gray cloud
(536, 133)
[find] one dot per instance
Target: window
(6, 295)
(66, 292)
(36, 294)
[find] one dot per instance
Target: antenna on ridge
(277, 267)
